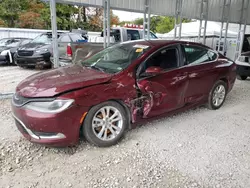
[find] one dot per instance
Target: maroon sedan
(119, 87)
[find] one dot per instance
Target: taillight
(69, 51)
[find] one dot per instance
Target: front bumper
(3, 59)
(35, 135)
(61, 129)
(34, 60)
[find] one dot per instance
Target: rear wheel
(217, 95)
(105, 124)
(241, 77)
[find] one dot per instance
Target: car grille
(25, 53)
(19, 100)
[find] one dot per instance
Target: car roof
(163, 42)
(17, 38)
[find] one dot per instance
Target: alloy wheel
(107, 123)
(219, 95)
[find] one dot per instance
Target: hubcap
(107, 123)
(219, 95)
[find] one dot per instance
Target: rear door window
(197, 55)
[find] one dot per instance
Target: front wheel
(241, 77)
(105, 124)
(217, 95)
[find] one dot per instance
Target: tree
(10, 9)
(138, 21)
(165, 24)
(114, 19)
(2, 23)
(159, 24)
(32, 17)
(95, 19)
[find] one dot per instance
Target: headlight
(42, 50)
(5, 52)
(55, 106)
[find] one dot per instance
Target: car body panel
(60, 80)
(144, 99)
(164, 92)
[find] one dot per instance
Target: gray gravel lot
(10, 76)
(197, 148)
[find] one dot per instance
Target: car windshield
(116, 58)
(44, 39)
(9, 42)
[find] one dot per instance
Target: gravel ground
(197, 148)
(10, 76)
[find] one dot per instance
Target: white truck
(122, 34)
(78, 52)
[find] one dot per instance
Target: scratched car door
(164, 91)
(201, 65)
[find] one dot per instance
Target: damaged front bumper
(59, 129)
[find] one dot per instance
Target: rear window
(76, 37)
(133, 34)
(44, 38)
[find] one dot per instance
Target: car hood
(54, 82)
(34, 46)
(2, 48)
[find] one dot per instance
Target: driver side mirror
(152, 71)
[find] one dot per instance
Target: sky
(127, 16)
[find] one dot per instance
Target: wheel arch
(119, 101)
(224, 79)
(128, 112)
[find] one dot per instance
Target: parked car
(8, 47)
(39, 50)
(243, 66)
(119, 87)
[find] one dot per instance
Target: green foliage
(160, 24)
(165, 24)
(138, 21)
(10, 9)
(36, 14)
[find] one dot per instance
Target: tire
(241, 77)
(214, 94)
(105, 126)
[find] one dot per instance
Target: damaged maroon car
(119, 87)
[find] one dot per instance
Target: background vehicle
(122, 34)
(76, 52)
(8, 47)
(124, 84)
(243, 61)
(243, 66)
(39, 50)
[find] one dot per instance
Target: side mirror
(151, 71)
